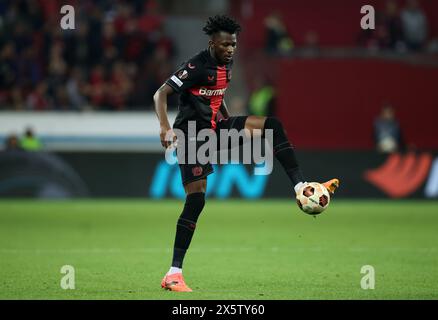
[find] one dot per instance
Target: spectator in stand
(110, 44)
(43, 67)
(56, 77)
(17, 98)
(12, 143)
(387, 132)
(97, 87)
(21, 36)
(30, 142)
(30, 69)
(134, 41)
(392, 24)
(76, 89)
(162, 44)
(119, 87)
(80, 48)
(388, 32)
(278, 41)
(38, 100)
(262, 99)
(8, 66)
(415, 25)
(60, 100)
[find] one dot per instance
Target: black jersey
(202, 83)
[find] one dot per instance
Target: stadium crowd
(116, 57)
(119, 52)
(399, 28)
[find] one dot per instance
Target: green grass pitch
(120, 249)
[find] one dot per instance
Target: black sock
(186, 226)
(283, 150)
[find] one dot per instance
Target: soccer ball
(313, 198)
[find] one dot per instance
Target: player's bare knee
(196, 187)
(255, 122)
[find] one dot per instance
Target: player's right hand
(167, 136)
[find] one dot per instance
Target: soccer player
(201, 82)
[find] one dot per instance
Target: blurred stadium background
(86, 94)
(77, 119)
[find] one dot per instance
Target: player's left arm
(224, 110)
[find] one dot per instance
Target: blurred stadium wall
(87, 95)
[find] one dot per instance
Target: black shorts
(198, 171)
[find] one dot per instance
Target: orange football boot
(175, 282)
(331, 185)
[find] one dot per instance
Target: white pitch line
(206, 249)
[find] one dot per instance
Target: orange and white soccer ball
(313, 198)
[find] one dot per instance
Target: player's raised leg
(195, 200)
(283, 150)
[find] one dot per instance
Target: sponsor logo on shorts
(197, 171)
